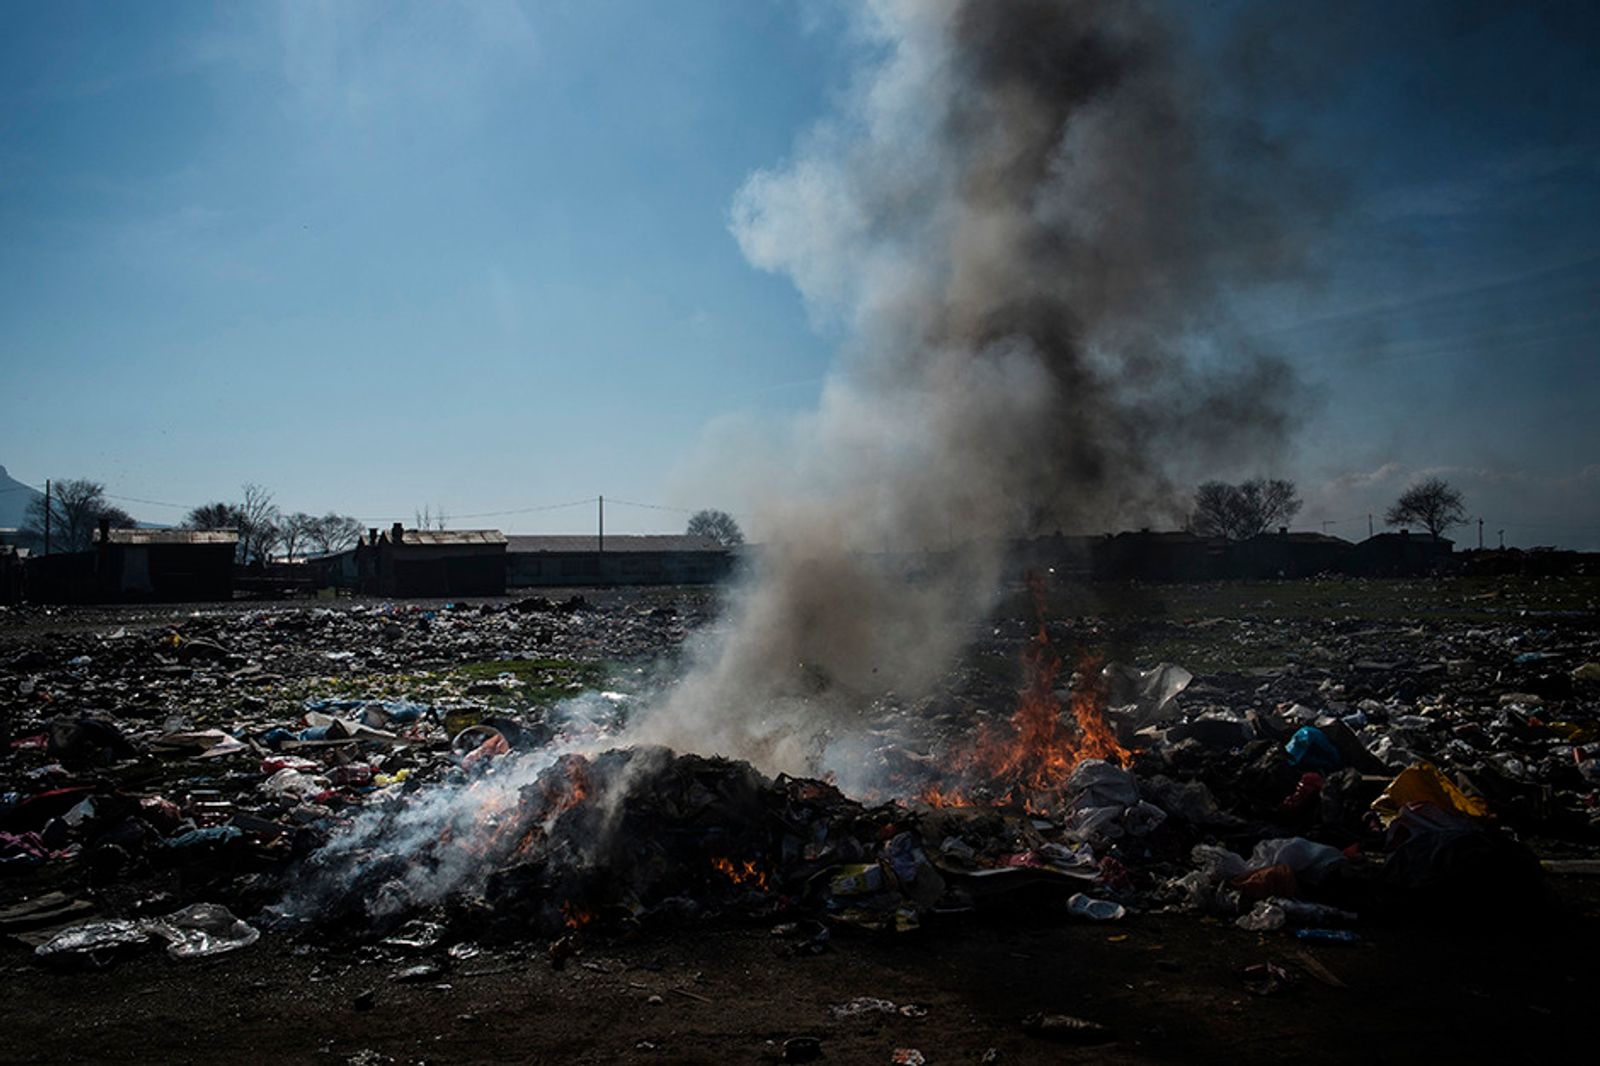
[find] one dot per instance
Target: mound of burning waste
(642, 837)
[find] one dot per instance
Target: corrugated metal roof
(588, 542)
(1301, 538)
(1408, 535)
(453, 536)
(172, 536)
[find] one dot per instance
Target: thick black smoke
(1030, 220)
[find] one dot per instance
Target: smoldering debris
(1378, 774)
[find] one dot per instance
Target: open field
(1482, 677)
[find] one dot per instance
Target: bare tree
(256, 520)
(258, 528)
(333, 532)
(1432, 504)
(718, 525)
(295, 533)
(76, 507)
(430, 517)
(1241, 511)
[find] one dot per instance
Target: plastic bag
(94, 943)
(1423, 783)
(203, 930)
(1309, 860)
(1310, 749)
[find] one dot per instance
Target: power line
(151, 503)
(524, 510)
(654, 506)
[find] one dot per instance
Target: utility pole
(1480, 534)
(47, 510)
(1502, 540)
(602, 525)
(1369, 525)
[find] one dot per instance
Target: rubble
(424, 780)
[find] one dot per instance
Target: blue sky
(374, 256)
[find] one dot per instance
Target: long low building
(585, 559)
(133, 565)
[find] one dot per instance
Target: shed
(432, 562)
(138, 565)
(1401, 555)
(1289, 555)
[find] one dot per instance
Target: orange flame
(565, 791)
(1030, 758)
(746, 874)
(577, 916)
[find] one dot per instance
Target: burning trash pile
(1322, 797)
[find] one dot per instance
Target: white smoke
(1027, 219)
(440, 840)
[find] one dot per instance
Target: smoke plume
(1028, 221)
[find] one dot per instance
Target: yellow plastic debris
(385, 780)
(1422, 782)
(1575, 732)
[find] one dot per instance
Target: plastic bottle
(1099, 910)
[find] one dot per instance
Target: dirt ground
(1167, 986)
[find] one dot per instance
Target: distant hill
(14, 500)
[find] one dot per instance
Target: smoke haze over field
(1028, 219)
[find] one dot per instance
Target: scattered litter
(1065, 1028)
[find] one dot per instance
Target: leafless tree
(295, 534)
(259, 519)
(1432, 503)
(1241, 511)
(333, 532)
(430, 517)
(718, 525)
(76, 507)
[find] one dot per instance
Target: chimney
(1283, 531)
(105, 531)
(372, 537)
(397, 532)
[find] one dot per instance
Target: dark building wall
(339, 570)
(1159, 557)
(535, 569)
(133, 573)
(431, 570)
(444, 574)
(10, 577)
(1288, 555)
(168, 572)
(1401, 555)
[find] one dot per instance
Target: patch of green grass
(543, 682)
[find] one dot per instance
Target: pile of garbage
(182, 786)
